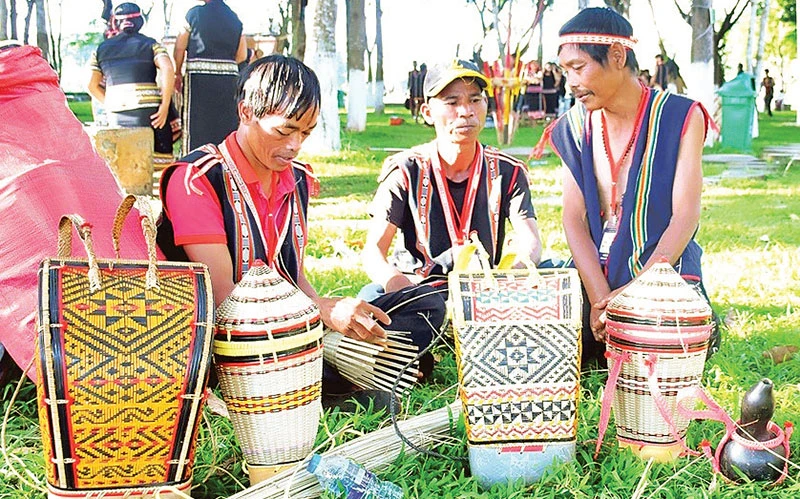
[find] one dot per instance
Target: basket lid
(264, 301)
(659, 297)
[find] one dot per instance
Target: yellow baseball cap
(440, 76)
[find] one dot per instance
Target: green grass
(82, 110)
(752, 280)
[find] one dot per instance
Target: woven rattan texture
(275, 406)
(660, 331)
(120, 361)
(517, 347)
(268, 358)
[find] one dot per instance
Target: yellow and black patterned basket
(124, 350)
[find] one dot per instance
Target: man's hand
(178, 83)
(597, 316)
(159, 118)
(354, 318)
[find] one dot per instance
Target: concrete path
(738, 166)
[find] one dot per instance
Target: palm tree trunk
(379, 83)
(27, 30)
(13, 19)
(298, 28)
(762, 39)
(321, 57)
(42, 38)
(751, 36)
(3, 20)
(356, 76)
(701, 69)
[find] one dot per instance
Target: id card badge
(609, 233)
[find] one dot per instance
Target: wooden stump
(129, 155)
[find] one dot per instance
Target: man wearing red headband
(633, 174)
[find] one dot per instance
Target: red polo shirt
(197, 218)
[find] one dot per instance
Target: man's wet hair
(601, 20)
(280, 85)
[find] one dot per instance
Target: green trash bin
(738, 109)
(340, 98)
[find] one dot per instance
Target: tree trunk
(751, 37)
(166, 6)
(379, 83)
(42, 38)
(623, 7)
(321, 57)
(540, 52)
(762, 40)
(55, 37)
(3, 20)
(700, 76)
(12, 19)
(356, 75)
(298, 28)
(26, 32)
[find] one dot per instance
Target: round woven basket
(268, 357)
(658, 327)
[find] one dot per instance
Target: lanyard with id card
(609, 234)
(611, 226)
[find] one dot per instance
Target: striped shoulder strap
(638, 225)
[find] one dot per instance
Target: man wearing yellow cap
(441, 195)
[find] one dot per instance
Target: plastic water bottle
(337, 473)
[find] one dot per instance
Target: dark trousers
(418, 310)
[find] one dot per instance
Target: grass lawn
(750, 230)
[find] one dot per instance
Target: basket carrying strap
(148, 229)
(64, 249)
(661, 404)
(617, 360)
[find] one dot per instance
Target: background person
(415, 79)
(212, 45)
(768, 84)
(437, 195)
(659, 78)
(132, 77)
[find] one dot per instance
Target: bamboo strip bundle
(373, 366)
(374, 451)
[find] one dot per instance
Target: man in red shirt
(246, 199)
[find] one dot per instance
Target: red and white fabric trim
(597, 39)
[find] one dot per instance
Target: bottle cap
(312, 465)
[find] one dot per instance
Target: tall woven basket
(268, 358)
(517, 349)
(123, 355)
(658, 333)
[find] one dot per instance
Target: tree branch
(686, 17)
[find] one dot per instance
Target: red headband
(128, 16)
(597, 39)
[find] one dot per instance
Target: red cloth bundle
(48, 168)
